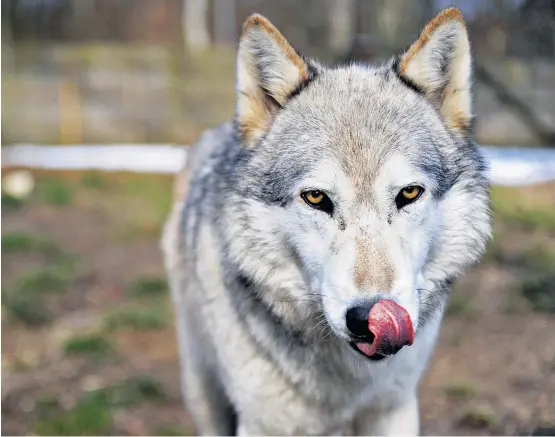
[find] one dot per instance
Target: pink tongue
(392, 328)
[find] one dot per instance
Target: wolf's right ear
(269, 72)
(439, 65)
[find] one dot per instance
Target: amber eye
(318, 199)
(408, 195)
(314, 197)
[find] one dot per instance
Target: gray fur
(260, 351)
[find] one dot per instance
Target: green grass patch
(147, 286)
(155, 192)
(54, 191)
(171, 429)
(87, 418)
(11, 203)
(27, 299)
(94, 346)
(20, 242)
(47, 403)
(461, 390)
(95, 181)
(93, 413)
(28, 309)
(539, 292)
(460, 305)
(51, 279)
(147, 202)
(516, 209)
(539, 258)
(139, 228)
(137, 319)
(478, 417)
(128, 393)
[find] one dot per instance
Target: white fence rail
(510, 166)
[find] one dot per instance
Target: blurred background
(88, 345)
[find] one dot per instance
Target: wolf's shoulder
(209, 143)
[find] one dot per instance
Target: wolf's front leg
(402, 420)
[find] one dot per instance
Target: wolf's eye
(408, 195)
(318, 199)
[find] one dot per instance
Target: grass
(539, 258)
(28, 309)
(171, 430)
(95, 181)
(27, 299)
(138, 228)
(11, 203)
(151, 198)
(54, 191)
(461, 390)
(93, 413)
(20, 242)
(539, 292)
(478, 417)
(50, 279)
(460, 305)
(128, 393)
(520, 209)
(536, 288)
(94, 346)
(147, 286)
(47, 403)
(87, 418)
(137, 319)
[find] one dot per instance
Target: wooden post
(69, 104)
(195, 24)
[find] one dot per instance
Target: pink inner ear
(391, 324)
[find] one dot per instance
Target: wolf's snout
(380, 329)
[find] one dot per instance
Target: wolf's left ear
(269, 72)
(439, 65)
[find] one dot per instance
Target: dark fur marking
(270, 98)
(248, 302)
(409, 83)
(342, 224)
(312, 74)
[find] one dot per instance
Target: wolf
(315, 237)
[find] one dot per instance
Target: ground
(88, 343)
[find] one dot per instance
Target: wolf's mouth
(362, 348)
(389, 330)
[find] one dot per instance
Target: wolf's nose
(357, 322)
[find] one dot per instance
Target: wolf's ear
(439, 65)
(269, 71)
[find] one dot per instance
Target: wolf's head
(359, 183)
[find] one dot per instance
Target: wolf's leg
(401, 420)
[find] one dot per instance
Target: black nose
(357, 322)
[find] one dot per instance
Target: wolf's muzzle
(379, 328)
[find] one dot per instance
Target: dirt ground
(88, 344)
